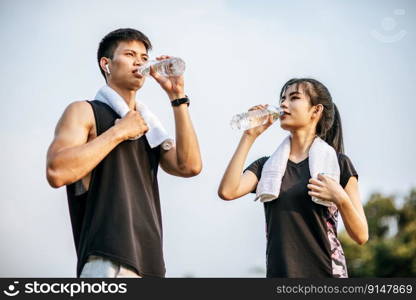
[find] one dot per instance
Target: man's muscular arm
(71, 156)
(185, 159)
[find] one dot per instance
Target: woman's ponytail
(334, 135)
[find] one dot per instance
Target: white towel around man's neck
(156, 134)
(322, 159)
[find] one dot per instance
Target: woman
(301, 234)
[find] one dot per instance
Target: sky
(238, 54)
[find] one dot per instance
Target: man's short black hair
(110, 42)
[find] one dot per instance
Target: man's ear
(104, 61)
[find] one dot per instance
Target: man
(111, 174)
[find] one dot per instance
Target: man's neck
(129, 96)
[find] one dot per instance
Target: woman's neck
(301, 141)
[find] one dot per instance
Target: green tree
(388, 253)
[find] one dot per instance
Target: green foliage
(387, 253)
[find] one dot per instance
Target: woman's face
(299, 113)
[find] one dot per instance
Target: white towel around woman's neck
(156, 134)
(322, 159)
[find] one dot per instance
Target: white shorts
(102, 267)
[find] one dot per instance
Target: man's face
(128, 56)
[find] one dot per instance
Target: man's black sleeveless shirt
(119, 217)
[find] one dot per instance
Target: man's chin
(136, 85)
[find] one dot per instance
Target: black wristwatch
(180, 101)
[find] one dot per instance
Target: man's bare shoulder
(78, 115)
(80, 111)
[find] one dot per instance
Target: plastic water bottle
(254, 118)
(174, 66)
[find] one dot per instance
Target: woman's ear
(317, 111)
(319, 108)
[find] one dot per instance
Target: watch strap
(180, 101)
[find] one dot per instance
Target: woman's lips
(284, 115)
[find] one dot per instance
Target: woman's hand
(326, 188)
(256, 131)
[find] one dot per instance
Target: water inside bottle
(255, 118)
(174, 66)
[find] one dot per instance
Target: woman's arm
(348, 202)
(352, 213)
(234, 184)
